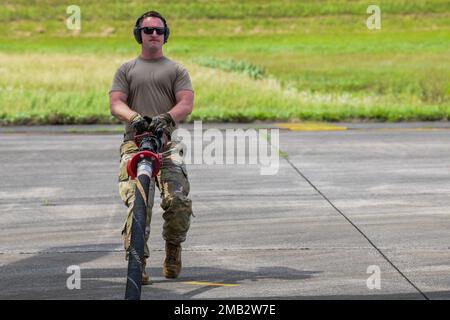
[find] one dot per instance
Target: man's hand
(139, 123)
(163, 121)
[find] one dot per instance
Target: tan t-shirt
(151, 86)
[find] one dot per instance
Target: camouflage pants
(172, 181)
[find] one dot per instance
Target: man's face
(152, 41)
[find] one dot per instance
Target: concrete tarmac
(361, 213)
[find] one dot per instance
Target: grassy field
(249, 60)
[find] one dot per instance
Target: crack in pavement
(286, 157)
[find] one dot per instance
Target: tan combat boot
(172, 263)
(145, 277)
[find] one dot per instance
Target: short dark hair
(148, 14)
(137, 27)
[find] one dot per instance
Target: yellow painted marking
(310, 126)
(204, 283)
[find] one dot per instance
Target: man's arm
(120, 109)
(118, 106)
(184, 106)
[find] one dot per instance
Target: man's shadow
(44, 275)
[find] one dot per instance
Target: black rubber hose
(137, 243)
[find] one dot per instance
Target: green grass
(215, 9)
(252, 60)
(242, 67)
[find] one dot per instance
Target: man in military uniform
(152, 86)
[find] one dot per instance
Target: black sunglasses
(149, 30)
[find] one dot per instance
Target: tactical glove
(139, 123)
(163, 121)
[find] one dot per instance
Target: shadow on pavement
(43, 276)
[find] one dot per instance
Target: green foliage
(249, 60)
(243, 67)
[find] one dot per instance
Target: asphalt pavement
(357, 213)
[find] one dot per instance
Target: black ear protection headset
(137, 27)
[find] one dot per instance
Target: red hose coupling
(154, 158)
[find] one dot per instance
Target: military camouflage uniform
(151, 87)
(172, 181)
